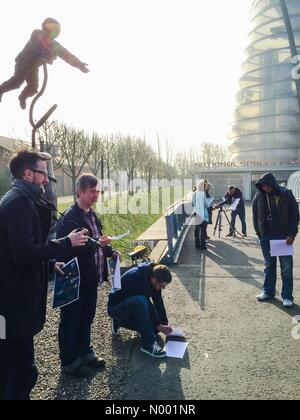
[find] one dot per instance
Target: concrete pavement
(238, 348)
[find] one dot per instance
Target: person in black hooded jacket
(275, 217)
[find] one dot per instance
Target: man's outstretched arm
(69, 58)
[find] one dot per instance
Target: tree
(75, 148)
(49, 135)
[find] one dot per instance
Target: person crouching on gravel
(139, 305)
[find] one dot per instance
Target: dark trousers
(23, 73)
(201, 234)
(18, 373)
(286, 265)
(75, 327)
(242, 215)
(133, 314)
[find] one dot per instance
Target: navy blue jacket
(71, 220)
(136, 282)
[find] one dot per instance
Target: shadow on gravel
(73, 389)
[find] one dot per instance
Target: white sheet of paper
(234, 205)
(176, 349)
(281, 249)
(117, 276)
(119, 237)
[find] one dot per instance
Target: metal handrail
(177, 223)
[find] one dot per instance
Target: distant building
(244, 177)
(267, 115)
(9, 146)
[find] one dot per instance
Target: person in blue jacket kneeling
(139, 305)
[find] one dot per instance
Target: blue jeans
(75, 327)
(18, 373)
(133, 314)
(286, 264)
(242, 215)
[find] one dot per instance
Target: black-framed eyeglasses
(45, 173)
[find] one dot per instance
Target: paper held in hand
(114, 269)
(281, 249)
(67, 287)
(234, 204)
(121, 236)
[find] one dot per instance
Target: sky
(167, 67)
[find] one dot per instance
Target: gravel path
(105, 384)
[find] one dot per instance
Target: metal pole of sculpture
(41, 122)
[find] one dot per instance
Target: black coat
(71, 220)
(24, 260)
(288, 209)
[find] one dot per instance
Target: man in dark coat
(24, 258)
(40, 49)
(232, 195)
(275, 217)
(139, 305)
(76, 352)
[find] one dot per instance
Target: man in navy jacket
(139, 305)
(76, 352)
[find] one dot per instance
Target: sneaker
(245, 235)
(97, 363)
(154, 351)
(114, 327)
(93, 361)
(287, 303)
(263, 297)
(229, 235)
(204, 248)
(22, 102)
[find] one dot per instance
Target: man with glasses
(24, 267)
(139, 305)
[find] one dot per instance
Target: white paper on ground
(234, 205)
(281, 249)
(176, 349)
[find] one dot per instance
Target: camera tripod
(219, 225)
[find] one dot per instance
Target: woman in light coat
(200, 205)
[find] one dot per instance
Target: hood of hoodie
(268, 179)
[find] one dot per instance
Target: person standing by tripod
(200, 205)
(232, 195)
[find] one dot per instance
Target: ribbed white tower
(267, 115)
